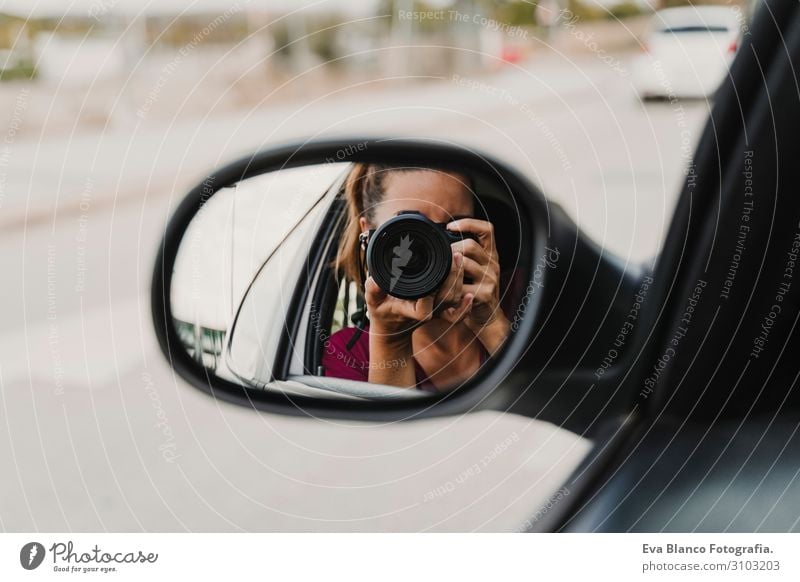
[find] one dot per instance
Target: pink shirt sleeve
(339, 362)
(353, 364)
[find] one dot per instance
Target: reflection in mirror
(360, 281)
(228, 241)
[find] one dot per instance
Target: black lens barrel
(409, 256)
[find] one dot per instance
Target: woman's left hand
(481, 264)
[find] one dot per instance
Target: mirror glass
(346, 280)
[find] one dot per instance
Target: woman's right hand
(391, 321)
(394, 319)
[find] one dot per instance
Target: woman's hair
(364, 190)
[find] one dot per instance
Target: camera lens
(409, 256)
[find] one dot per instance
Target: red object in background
(511, 54)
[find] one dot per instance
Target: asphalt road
(100, 435)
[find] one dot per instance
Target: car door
(716, 447)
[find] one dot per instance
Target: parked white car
(687, 52)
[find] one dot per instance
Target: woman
(437, 341)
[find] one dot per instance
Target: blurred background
(112, 109)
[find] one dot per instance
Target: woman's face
(438, 195)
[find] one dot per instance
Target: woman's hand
(392, 321)
(396, 318)
(481, 263)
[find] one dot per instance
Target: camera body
(409, 255)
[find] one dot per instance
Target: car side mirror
(248, 296)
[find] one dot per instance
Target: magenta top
(353, 364)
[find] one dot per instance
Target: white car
(687, 52)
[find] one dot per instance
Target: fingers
(484, 284)
(455, 314)
(450, 291)
(483, 229)
(400, 315)
(419, 310)
(481, 272)
(373, 294)
(423, 308)
(471, 248)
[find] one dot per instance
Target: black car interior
(716, 445)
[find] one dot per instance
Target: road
(102, 436)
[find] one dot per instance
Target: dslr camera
(409, 256)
